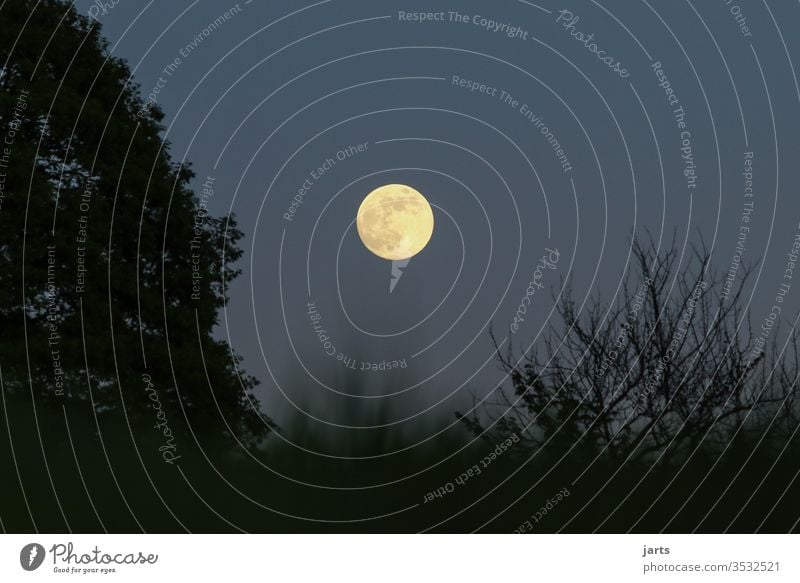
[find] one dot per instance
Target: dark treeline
(598, 443)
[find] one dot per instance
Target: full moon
(395, 222)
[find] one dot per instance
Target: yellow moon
(395, 222)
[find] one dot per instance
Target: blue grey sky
(528, 126)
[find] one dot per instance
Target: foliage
(102, 241)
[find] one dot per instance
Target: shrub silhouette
(670, 390)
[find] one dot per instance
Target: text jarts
(654, 551)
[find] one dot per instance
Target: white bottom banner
(390, 558)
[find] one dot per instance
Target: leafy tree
(109, 268)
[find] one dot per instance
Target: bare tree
(673, 362)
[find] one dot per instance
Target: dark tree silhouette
(110, 269)
(674, 362)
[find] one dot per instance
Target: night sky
(530, 138)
